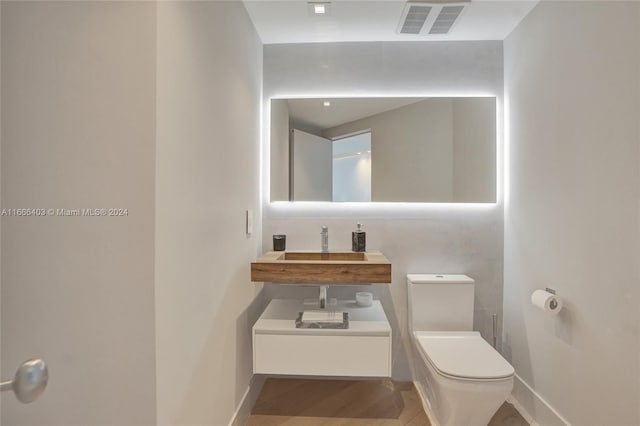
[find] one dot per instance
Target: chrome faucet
(324, 236)
(322, 296)
(325, 239)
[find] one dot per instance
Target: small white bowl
(364, 298)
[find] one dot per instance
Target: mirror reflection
(384, 149)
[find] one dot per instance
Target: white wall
(352, 168)
(352, 178)
(78, 121)
(572, 81)
(207, 175)
(411, 151)
(311, 167)
(418, 237)
(1, 371)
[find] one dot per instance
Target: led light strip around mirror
(371, 209)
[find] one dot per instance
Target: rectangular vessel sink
(314, 267)
(316, 255)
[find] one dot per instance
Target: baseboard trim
(520, 409)
(533, 407)
(248, 400)
(425, 404)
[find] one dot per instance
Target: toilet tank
(440, 302)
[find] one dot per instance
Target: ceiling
(313, 113)
(289, 21)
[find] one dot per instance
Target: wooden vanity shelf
(314, 267)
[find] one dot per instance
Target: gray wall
(572, 81)
(78, 127)
(279, 138)
(207, 175)
(474, 150)
(411, 151)
(436, 150)
(419, 237)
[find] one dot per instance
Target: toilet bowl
(467, 380)
(464, 379)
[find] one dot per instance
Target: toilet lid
(463, 354)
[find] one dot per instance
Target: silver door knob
(29, 382)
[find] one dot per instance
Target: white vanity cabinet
(362, 350)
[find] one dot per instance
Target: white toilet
(464, 379)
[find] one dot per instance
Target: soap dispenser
(358, 240)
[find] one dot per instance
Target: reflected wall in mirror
(438, 150)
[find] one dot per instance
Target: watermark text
(65, 212)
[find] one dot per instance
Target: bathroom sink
(316, 255)
(315, 267)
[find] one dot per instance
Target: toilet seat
(462, 356)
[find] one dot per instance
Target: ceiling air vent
(414, 19)
(445, 19)
(436, 17)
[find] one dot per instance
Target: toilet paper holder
(553, 304)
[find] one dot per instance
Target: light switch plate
(249, 222)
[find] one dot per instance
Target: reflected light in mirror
(373, 209)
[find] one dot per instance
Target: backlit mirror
(438, 150)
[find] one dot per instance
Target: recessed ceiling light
(326, 103)
(319, 8)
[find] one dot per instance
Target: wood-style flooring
(304, 402)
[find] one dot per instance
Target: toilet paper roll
(548, 302)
